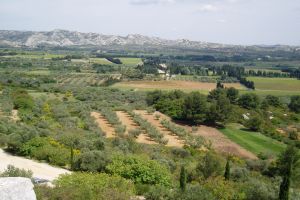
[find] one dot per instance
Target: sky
(245, 22)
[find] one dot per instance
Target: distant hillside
(64, 38)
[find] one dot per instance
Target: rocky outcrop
(16, 188)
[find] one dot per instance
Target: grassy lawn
(252, 141)
(276, 84)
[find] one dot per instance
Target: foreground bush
(193, 192)
(140, 170)
(13, 171)
(88, 186)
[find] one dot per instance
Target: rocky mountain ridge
(65, 38)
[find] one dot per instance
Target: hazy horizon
(239, 22)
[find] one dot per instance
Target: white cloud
(150, 2)
(207, 8)
(221, 20)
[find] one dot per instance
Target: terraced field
(173, 140)
(104, 125)
(127, 120)
(223, 143)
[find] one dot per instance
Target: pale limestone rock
(16, 188)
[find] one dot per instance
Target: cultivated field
(130, 61)
(171, 85)
(104, 125)
(173, 140)
(222, 144)
(84, 79)
(125, 61)
(277, 84)
(127, 120)
(253, 141)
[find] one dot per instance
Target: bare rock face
(16, 188)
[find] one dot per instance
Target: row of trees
(195, 107)
(217, 107)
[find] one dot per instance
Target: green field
(252, 141)
(130, 61)
(276, 84)
(102, 61)
(125, 61)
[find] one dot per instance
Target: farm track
(104, 125)
(127, 120)
(173, 140)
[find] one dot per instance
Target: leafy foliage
(139, 170)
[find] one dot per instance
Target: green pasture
(130, 61)
(254, 142)
(276, 84)
(102, 61)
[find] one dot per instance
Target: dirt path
(223, 144)
(173, 140)
(40, 170)
(104, 125)
(127, 120)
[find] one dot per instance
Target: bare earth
(219, 141)
(184, 85)
(14, 115)
(127, 120)
(40, 170)
(222, 144)
(173, 140)
(104, 125)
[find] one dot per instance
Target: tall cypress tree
(286, 163)
(183, 178)
(227, 170)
